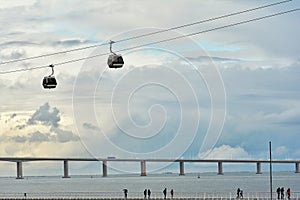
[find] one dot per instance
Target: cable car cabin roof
(115, 61)
(49, 82)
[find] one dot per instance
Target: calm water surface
(208, 182)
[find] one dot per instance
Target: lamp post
(270, 149)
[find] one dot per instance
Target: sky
(220, 94)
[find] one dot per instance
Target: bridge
(19, 163)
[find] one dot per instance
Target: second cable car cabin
(49, 82)
(114, 60)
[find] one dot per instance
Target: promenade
(138, 195)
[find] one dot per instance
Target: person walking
(278, 193)
(238, 193)
(165, 193)
(172, 193)
(145, 193)
(149, 193)
(241, 194)
(125, 193)
(282, 192)
(288, 192)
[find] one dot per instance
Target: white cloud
(225, 152)
(32, 134)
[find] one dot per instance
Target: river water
(188, 185)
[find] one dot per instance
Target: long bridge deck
(20, 160)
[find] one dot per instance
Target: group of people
(147, 193)
(239, 193)
(165, 193)
(280, 193)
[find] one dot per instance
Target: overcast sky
(221, 94)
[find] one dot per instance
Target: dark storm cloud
(46, 116)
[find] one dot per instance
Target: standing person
(145, 193)
(149, 193)
(165, 193)
(288, 192)
(172, 193)
(282, 193)
(241, 194)
(125, 193)
(278, 193)
(238, 193)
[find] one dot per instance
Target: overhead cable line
(161, 41)
(147, 34)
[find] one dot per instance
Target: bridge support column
(220, 168)
(143, 168)
(104, 168)
(66, 169)
(258, 168)
(181, 166)
(297, 168)
(19, 170)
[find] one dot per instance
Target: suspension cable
(147, 34)
(161, 41)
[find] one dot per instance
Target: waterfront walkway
(136, 196)
(180, 198)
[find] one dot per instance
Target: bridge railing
(140, 195)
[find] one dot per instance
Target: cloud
(212, 58)
(46, 116)
(90, 126)
(63, 136)
(225, 152)
(281, 151)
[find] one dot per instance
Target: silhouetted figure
(145, 193)
(278, 193)
(125, 193)
(238, 193)
(149, 193)
(165, 193)
(172, 193)
(288, 192)
(241, 194)
(282, 193)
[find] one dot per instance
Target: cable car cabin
(115, 61)
(49, 82)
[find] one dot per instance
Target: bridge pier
(297, 170)
(258, 168)
(220, 168)
(19, 170)
(181, 166)
(143, 168)
(104, 168)
(66, 169)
